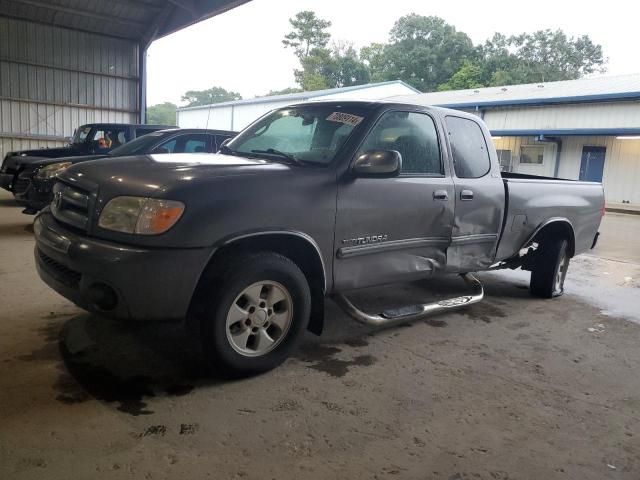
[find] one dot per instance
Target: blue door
(592, 163)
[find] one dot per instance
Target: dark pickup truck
(34, 183)
(90, 139)
(311, 200)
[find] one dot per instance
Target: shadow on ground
(127, 364)
(16, 229)
(9, 202)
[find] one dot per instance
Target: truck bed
(532, 201)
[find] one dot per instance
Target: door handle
(466, 195)
(440, 195)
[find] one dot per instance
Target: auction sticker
(347, 118)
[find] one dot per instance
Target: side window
(413, 135)
(195, 144)
(166, 147)
(107, 138)
(469, 148)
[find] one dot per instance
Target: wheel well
(555, 230)
(301, 251)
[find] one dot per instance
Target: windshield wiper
(277, 153)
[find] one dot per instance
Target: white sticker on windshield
(347, 118)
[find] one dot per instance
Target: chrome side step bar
(413, 312)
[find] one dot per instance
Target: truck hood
(149, 175)
(38, 162)
(45, 152)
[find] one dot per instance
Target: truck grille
(71, 205)
(60, 272)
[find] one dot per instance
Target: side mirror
(225, 142)
(69, 140)
(378, 163)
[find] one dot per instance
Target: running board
(413, 312)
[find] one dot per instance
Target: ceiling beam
(81, 13)
(188, 5)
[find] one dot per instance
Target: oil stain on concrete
(122, 366)
(323, 359)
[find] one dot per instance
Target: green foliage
(209, 96)
(430, 54)
(541, 56)
(337, 67)
(284, 91)
(469, 76)
(162, 114)
(425, 51)
(375, 58)
(308, 33)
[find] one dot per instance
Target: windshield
(311, 134)
(138, 146)
(81, 134)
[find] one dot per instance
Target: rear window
(469, 148)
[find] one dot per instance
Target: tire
(550, 269)
(259, 307)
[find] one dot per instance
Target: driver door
(395, 229)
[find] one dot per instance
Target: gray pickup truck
(311, 200)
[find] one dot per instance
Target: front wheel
(550, 269)
(259, 308)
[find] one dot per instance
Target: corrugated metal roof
(300, 96)
(140, 20)
(600, 88)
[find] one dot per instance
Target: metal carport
(68, 62)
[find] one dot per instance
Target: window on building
(413, 135)
(469, 148)
(504, 159)
(532, 154)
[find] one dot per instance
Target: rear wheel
(550, 269)
(258, 310)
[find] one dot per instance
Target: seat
(199, 149)
(413, 153)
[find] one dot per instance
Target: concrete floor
(512, 388)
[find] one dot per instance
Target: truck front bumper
(115, 280)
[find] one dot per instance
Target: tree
(284, 91)
(425, 51)
(308, 33)
(541, 56)
(375, 57)
(469, 76)
(162, 114)
(337, 67)
(209, 96)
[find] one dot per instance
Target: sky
(241, 50)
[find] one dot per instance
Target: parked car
(33, 186)
(311, 200)
(90, 139)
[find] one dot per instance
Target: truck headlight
(52, 170)
(140, 215)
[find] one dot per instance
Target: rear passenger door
(479, 196)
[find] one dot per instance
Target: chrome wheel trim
(561, 274)
(259, 318)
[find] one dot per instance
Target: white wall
(595, 115)
(621, 175)
(515, 143)
(239, 115)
